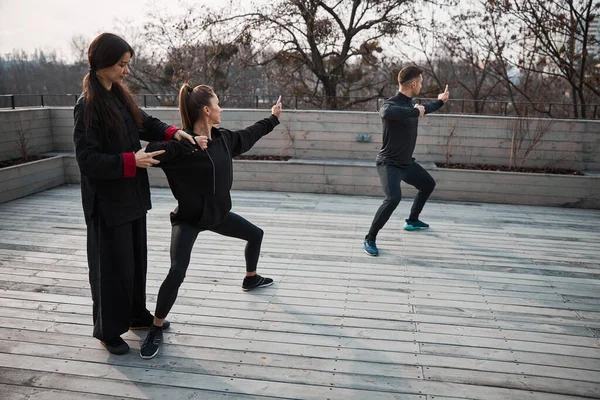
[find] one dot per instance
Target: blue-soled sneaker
(370, 248)
(256, 281)
(414, 225)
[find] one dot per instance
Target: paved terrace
(493, 302)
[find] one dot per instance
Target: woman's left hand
(181, 135)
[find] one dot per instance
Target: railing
(453, 106)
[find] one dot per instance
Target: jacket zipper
(214, 177)
(230, 162)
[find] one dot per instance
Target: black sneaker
(146, 323)
(116, 346)
(256, 281)
(152, 342)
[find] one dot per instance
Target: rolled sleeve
(129, 167)
(170, 132)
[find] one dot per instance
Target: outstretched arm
(393, 112)
(241, 141)
(171, 151)
(154, 129)
(436, 105)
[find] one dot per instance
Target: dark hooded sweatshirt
(201, 180)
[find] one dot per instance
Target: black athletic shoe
(116, 346)
(256, 281)
(152, 342)
(146, 323)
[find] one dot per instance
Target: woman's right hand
(201, 141)
(277, 108)
(145, 160)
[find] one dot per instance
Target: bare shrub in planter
(25, 150)
(524, 139)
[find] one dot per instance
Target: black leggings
(390, 177)
(183, 237)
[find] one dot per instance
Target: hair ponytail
(184, 95)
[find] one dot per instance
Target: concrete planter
(355, 177)
(517, 188)
(360, 178)
(32, 177)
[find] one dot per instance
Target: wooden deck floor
(493, 302)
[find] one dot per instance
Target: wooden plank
(195, 380)
(411, 389)
(403, 321)
(349, 300)
(306, 325)
(18, 392)
(229, 364)
(523, 382)
(52, 386)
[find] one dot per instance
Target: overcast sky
(50, 24)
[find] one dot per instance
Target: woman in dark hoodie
(200, 178)
(115, 190)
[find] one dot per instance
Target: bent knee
(394, 199)
(258, 235)
(176, 277)
(429, 186)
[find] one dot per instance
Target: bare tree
(328, 47)
(556, 36)
(79, 49)
(181, 48)
(39, 73)
(538, 49)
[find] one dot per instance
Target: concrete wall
(332, 134)
(62, 128)
(327, 158)
(36, 126)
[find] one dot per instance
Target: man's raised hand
(444, 96)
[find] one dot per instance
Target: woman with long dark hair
(115, 189)
(200, 179)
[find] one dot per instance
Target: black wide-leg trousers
(117, 261)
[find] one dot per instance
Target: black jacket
(104, 165)
(201, 180)
(400, 121)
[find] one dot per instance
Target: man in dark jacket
(400, 119)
